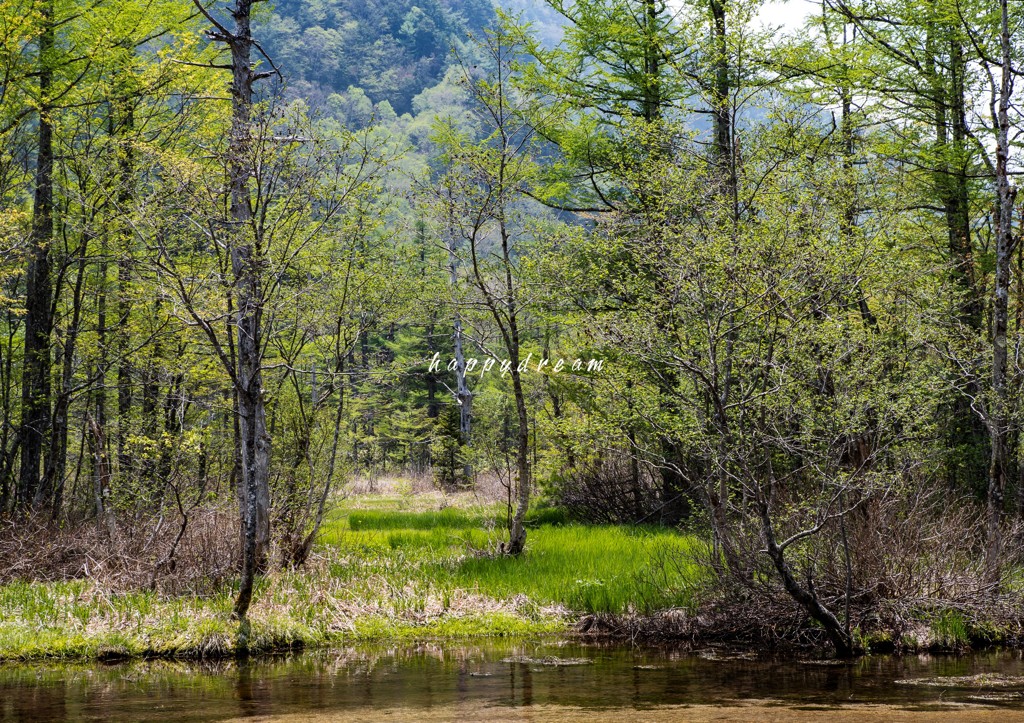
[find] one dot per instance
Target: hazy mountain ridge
(391, 50)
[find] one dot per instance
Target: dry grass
(420, 492)
(135, 553)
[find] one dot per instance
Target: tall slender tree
(34, 488)
(247, 264)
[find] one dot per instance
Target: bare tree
(488, 177)
(247, 266)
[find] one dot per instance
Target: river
(521, 680)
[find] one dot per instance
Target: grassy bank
(386, 568)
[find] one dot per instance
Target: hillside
(390, 49)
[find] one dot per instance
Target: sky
(790, 13)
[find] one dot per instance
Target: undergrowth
(378, 574)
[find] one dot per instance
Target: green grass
(380, 574)
(949, 630)
(78, 619)
(450, 518)
(584, 568)
(594, 569)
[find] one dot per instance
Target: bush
(611, 489)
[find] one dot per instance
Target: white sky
(789, 14)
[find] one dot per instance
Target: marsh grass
(594, 569)
(949, 630)
(449, 518)
(581, 568)
(378, 573)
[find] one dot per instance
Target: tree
(1000, 408)
(939, 56)
(59, 80)
(247, 265)
(486, 178)
(624, 75)
(922, 61)
(35, 384)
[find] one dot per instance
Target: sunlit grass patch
(593, 569)
(583, 568)
(450, 518)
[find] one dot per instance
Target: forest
(631, 279)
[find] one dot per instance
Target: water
(539, 680)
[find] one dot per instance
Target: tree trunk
(246, 264)
(721, 112)
(8, 450)
(806, 598)
(56, 462)
(101, 479)
(246, 268)
(35, 386)
(945, 96)
(301, 551)
(999, 408)
(150, 374)
(101, 461)
(463, 396)
(122, 335)
(652, 64)
(517, 530)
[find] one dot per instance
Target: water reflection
(477, 680)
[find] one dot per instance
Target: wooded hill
(390, 49)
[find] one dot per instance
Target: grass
(587, 569)
(581, 568)
(949, 629)
(594, 569)
(449, 518)
(384, 570)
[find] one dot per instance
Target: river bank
(387, 567)
(399, 566)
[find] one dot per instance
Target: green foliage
(949, 630)
(387, 50)
(447, 457)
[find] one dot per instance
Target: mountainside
(391, 49)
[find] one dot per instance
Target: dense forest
(651, 262)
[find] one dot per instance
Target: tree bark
(35, 386)
(122, 335)
(999, 411)
(806, 598)
(517, 530)
(721, 110)
(463, 396)
(56, 461)
(652, 64)
(246, 265)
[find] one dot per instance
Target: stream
(521, 680)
